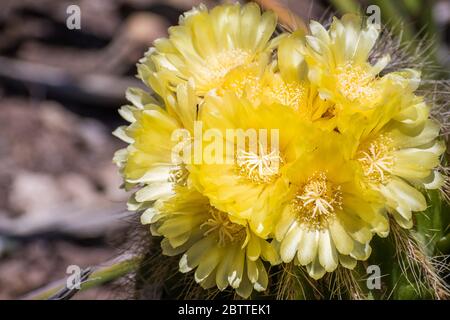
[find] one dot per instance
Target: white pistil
(377, 160)
(260, 168)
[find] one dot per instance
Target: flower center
(377, 160)
(317, 201)
(354, 82)
(289, 94)
(219, 65)
(260, 167)
(228, 232)
(242, 81)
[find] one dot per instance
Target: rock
(31, 192)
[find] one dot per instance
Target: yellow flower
(264, 84)
(400, 153)
(339, 65)
(286, 83)
(148, 160)
(329, 218)
(243, 166)
(223, 251)
(306, 145)
(291, 87)
(207, 46)
(327, 78)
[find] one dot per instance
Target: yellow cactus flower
(400, 154)
(258, 150)
(248, 157)
(148, 160)
(339, 65)
(290, 85)
(207, 45)
(310, 74)
(329, 218)
(223, 251)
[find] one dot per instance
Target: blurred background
(60, 88)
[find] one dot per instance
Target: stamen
(317, 201)
(242, 81)
(228, 232)
(259, 168)
(377, 160)
(288, 94)
(220, 64)
(354, 82)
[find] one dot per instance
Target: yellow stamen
(377, 160)
(261, 167)
(243, 81)
(354, 82)
(220, 64)
(228, 232)
(317, 201)
(288, 94)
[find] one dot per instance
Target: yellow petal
(308, 248)
(315, 269)
(342, 240)
(290, 243)
(347, 261)
(194, 255)
(328, 256)
(253, 248)
(237, 269)
(208, 264)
